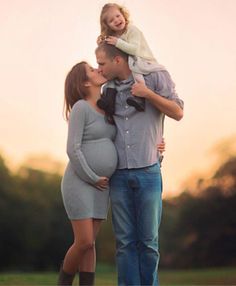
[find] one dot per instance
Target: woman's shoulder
(80, 106)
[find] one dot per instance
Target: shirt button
(127, 131)
(128, 146)
(126, 106)
(126, 118)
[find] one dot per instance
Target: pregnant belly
(101, 156)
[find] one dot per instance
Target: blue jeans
(136, 203)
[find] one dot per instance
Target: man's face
(106, 65)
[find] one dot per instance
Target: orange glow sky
(41, 40)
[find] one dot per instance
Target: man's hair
(111, 51)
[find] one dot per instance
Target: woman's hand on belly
(102, 183)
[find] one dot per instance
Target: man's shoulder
(157, 75)
(158, 80)
(152, 77)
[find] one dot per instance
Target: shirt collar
(124, 84)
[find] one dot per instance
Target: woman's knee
(85, 245)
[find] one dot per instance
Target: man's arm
(167, 106)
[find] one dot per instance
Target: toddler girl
(116, 30)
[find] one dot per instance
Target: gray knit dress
(91, 154)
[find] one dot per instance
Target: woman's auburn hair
(105, 30)
(74, 89)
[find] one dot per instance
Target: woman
(92, 160)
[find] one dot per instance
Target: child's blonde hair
(105, 29)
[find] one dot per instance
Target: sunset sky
(42, 40)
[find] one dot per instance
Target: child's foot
(138, 105)
(107, 101)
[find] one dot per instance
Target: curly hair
(105, 29)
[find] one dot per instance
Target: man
(136, 186)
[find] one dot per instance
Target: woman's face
(94, 76)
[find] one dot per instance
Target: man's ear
(117, 59)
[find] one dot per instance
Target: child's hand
(111, 40)
(100, 39)
(139, 89)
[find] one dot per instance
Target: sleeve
(165, 87)
(76, 127)
(132, 43)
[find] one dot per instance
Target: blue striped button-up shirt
(138, 133)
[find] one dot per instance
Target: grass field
(106, 275)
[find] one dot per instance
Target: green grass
(213, 276)
(106, 275)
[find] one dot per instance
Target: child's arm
(131, 44)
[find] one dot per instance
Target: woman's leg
(81, 255)
(87, 263)
(87, 277)
(82, 249)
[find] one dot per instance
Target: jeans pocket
(154, 169)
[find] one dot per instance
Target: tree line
(198, 227)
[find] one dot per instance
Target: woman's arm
(76, 126)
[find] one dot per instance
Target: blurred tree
(205, 223)
(198, 229)
(34, 228)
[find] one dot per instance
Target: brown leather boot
(86, 278)
(65, 279)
